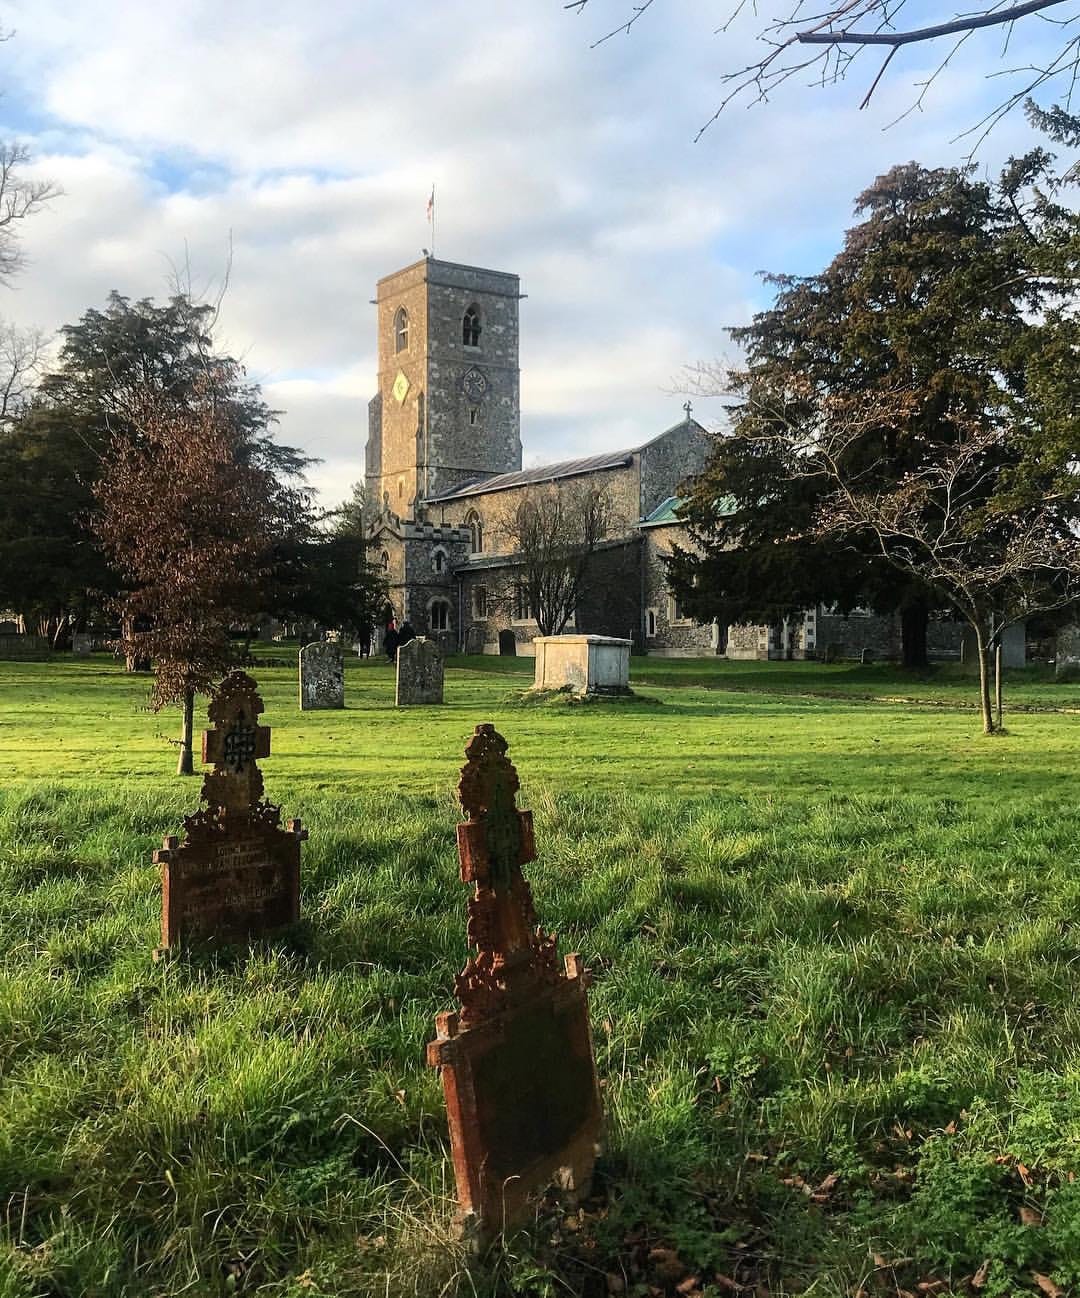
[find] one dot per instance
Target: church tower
(448, 405)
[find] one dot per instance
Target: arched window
(475, 524)
(438, 560)
(440, 615)
(470, 328)
(401, 330)
(385, 561)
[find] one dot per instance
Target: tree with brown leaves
(190, 523)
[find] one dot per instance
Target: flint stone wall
(322, 677)
(419, 673)
(589, 664)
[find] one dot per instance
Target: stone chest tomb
(588, 664)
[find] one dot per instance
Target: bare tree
(553, 535)
(821, 43)
(20, 197)
(21, 356)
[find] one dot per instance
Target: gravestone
(322, 677)
(507, 644)
(1067, 652)
(419, 673)
(517, 1059)
(588, 664)
(236, 874)
(82, 645)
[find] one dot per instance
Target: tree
(553, 536)
(53, 439)
(919, 396)
(20, 197)
(821, 45)
(190, 521)
(321, 572)
(947, 525)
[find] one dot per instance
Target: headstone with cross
(236, 874)
(517, 1060)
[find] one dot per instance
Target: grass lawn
(835, 944)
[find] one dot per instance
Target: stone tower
(448, 405)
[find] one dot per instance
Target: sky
(297, 145)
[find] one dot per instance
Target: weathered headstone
(322, 676)
(236, 875)
(517, 1059)
(1067, 653)
(82, 645)
(419, 673)
(507, 644)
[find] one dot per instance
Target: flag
(431, 205)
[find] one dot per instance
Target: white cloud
(311, 139)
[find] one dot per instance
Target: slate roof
(553, 472)
(545, 473)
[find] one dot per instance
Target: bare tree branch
(826, 44)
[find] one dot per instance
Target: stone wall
(668, 461)
(664, 632)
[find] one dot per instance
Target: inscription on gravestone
(236, 874)
(517, 1059)
(322, 677)
(419, 673)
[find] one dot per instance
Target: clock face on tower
(474, 384)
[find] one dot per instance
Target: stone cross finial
(688, 407)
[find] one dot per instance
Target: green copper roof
(667, 512)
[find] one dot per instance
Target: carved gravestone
(82, 645)
(517, 1059)
(236, 874)
(507, 644)
(419, 673)
(322, 677)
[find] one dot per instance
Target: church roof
(666, 514)
(553, 472)
(544, 473)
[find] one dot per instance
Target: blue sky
(309, 139)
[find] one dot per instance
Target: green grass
(831, 938)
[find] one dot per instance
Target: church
(443, 473)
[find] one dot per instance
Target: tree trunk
(997, 681)
(984, 682)
(186, 764)
(914, 619)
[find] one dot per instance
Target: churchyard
(834, 949)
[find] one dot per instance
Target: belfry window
(470, 328)
(475, 525)
(401, 330)
(385, 561)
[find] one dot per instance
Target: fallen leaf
(615, 1283)
(1024, 1173)
(1030, 1216)
(691, 1284)
(979, 1278)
